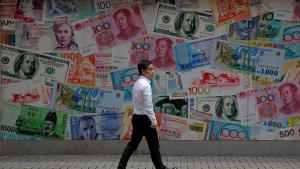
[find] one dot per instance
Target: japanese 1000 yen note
(109, 29)
(230, 11)
(229, 130)
(82, 69)
(286, 10)
(103, 126)
(194, 54)
(24, 10)
(202, 82)
(103, 67)
(81, 99)
(55, 36)
(274, 101)
(35, 121)
(263, 28)
(57, 8)
(185, 24)
(242, 58)
(24, 65)
(31, 92)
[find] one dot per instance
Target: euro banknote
(237, 57)
(104, 31)
(15, 64)
(32, 92)
(47, 37)
(104, 126)
(194, 54)
(286, 10)
(227, 12)
(36, 122)
(58, 8)
(103, 66)
(169, 22)
(274, 101)
(124, 78)
(81, 99)
(228, 130)
(203, 81)
(156, 48)
(291, 133)
(262, 28)
(24, 11)
(220, 107)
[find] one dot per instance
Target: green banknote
(35, 121)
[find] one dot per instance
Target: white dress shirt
(142, 99)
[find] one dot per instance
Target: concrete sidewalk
(144, 162)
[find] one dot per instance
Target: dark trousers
(141, 127)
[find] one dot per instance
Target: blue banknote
(103, 126)
(81, 99)
(194, 54)
(58, 8)
(291, 34)
(124, 79)
(110, 100)
(292, 52)
(228, 130)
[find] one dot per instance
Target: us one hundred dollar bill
(185, 24)
(24, 65)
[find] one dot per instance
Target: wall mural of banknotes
(223, 69)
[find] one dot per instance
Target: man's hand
(153, 126)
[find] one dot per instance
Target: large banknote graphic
(286, 10)
(263, 28)
(104, 126)
(35, 121)
(81, 99)
(175, 107)
(82, 69)
(230, 11)
(124, 79)
(24, 65)
(291, 133)
(54, 36)
(156, 48)
(228, 130)
(57, 8)
(275, 101)
(291, 34)
(26, 11)
(179, 128)
(220, 107)
(237, 57)
(276, 124)
(204, 81)
(104, 31)
(170, 22)
(31, 92)
(167, 82)
(103, 66)
(194, 54)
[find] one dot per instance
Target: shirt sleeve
(147, 93)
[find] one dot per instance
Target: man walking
(144, 120)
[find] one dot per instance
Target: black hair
(143, 65)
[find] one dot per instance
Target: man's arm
(147, 94)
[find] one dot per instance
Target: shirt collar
(143, 77)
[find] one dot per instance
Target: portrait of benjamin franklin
(186, 25)
(227, 108)
(26, 66)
